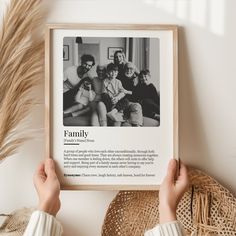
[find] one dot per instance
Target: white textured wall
(207, 78)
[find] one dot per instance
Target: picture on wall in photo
(111, 82)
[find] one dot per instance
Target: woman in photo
(120, 61)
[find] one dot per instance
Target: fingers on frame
(183, 174)
(50, 167)
(172, 168)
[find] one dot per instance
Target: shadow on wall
(208, 14)
(206, 134)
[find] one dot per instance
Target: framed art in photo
(66, 53)
(111, 104)
(112, 50)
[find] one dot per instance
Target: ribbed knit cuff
(43, 224)
(173, 228)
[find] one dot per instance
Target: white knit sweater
(173, 228)
(43, 224)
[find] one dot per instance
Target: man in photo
(98, 117)
(72, 77)
(133, 115)
(130, 79)
(98, 81)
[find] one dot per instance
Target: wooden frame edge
(94, 26)
(47, 88)
(175, 95)
(111, 187)
(174, 29)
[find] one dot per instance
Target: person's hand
(89, 87)
(114, 100)
(48, 187)
(128, 92)
(171, 191)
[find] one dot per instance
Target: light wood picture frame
(92, 162)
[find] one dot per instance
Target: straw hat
(207, 208)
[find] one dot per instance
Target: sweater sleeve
(173, 228)
(43, 224)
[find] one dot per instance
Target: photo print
(111, 81)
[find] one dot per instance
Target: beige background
(207, 99)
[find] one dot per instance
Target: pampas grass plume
(21, 69)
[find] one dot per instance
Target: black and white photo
(119, 90)
(66, 53)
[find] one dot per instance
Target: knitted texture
(16, 223)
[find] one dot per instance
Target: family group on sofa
(120, 94)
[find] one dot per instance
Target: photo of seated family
(111, 82)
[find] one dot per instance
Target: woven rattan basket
(207, 208)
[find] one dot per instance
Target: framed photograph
(112, 50)
(66, 53)
(111, 104)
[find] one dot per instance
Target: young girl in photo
(84, 96)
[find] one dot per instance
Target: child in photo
(84, 96)
(146, 94)
(113, 94)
